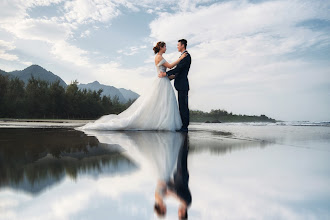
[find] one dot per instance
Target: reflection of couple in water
(176, 186)
(162, 155)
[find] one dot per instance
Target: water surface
(236, 171)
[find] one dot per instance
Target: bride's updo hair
(158, 46)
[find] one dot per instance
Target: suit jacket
(181, 74)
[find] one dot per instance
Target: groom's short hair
(184, 42)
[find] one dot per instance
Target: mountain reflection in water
(35, 159)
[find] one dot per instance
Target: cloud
(136, 79)
(238, 18)
(6, 56)
(15, 10)
(70, 53)
(58, 31)
(242, 52)
(39, 29)
(4, 47)
(131, 50)
(86, 33)
(85, 11)
(27, 63)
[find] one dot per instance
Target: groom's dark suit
(181, 84)
(179, 184)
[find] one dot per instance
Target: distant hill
(37, 72)
(129, 94)
(3, 72)
(123, 94)
(107, 90)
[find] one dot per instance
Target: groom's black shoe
(183, 130)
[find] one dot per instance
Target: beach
(49, 170)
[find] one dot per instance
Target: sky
(250, 57)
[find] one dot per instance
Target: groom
(181, 84)
(178, 186)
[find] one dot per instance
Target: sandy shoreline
(45, 120)
(72, 123)
(41, 123)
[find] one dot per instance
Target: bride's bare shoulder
(158, 58)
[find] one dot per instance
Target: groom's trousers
(183, 107)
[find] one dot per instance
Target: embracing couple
(156, 108)
(176, 186)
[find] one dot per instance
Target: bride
(155, 109)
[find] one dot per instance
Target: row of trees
(40, 99)
(219, 115)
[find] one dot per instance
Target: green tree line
(40, 99)
(218, 115)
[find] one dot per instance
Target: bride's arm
(171, 65)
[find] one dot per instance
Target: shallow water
(236, 171)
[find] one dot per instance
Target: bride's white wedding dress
(155, 109)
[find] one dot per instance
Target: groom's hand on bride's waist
(161, 74)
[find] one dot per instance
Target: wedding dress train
(155, 109)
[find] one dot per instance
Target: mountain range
(39, 72)
(123, 94)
